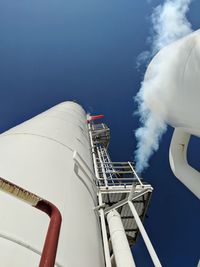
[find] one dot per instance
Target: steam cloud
(169, 23)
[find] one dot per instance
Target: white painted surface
(120, 245)
(178, 161)
(144, 235)
(37, 155)
(176, 69)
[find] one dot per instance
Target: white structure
(121, 249)
(38, 156)
(176, 69)
(61, 156)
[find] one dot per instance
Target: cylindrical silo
(173, 94)
(38, 156)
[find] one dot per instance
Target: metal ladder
(122, 194)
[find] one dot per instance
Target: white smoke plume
(169, 23)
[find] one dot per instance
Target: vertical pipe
(49, 251)
(121, 248)
(146, 239)
(101, 212)
(189, 176)
(48, 255)
(104, 234)
(93, 152)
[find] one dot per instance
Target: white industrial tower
(58, 164)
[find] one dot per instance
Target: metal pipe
(139, 180)
(24, 244)
(179, 164)
(93, 152)
(101, 211)
(145, 237)
(48, 255)
(121, 248)
(104, 234)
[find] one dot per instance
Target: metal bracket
(125, 201)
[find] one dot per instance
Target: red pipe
(48, 256)
(93, 118)
(49, 251)
(97, 117)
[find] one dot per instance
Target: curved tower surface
(58, 163)
(38, 155)
(173, 77)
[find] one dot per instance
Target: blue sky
(57, 50)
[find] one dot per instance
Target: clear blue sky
(85, 50)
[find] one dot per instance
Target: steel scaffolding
(121, 193)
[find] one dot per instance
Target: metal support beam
(145, 237)
(124, 201)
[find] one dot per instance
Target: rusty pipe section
(49, 251)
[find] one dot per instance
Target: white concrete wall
(37, 155)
